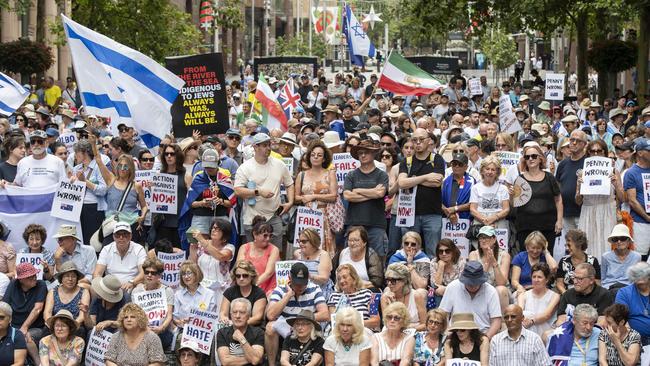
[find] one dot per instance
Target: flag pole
(381, 74)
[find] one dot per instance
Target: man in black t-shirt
(425, 170)
(240, 344)
(585, 291)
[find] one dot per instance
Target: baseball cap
(38, 134)
(299, 274)
(260, 138)
(122, 226)
(233, 132)
(460, 157)
(52, 132)
(642, 144)
(210, 159)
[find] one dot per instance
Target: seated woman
(35, 236)
(13, 348)
(244, 279)
(522, 263)
(576, 246)
(7, 253)
(496, 262)
(62, 347)
(348, 344)
(305, 346)
(539, 303)
(633, 297)
(134, 344)
(465, 340)
(364, 259)
(446, 266)
(107, 305)
(317, 260)
(191, 294)
(189, 354)
(153, 269)
(399, 289)
(430, 343)
(414, 258)
(393, 344)
(349, 292)
(262, 253)
(618, 343)
(68, 295)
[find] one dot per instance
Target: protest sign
(554, 89)
(508, 159)
(201, 104)
(596, 174)
(172, 264)
(406, 207)
(163, 193)
(144, 178)
(461, 362)
(343, 163)
(475, 87)
(200, 329)
(36, 259)
(456, 233)
(68, 139)
(507, 119)
(646, 190)
(308, 218)
(154, 304)
(97, 346)
(289, 163)
(68, 200)
(282, 269)
(502, 238)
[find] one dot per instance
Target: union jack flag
(289, 99)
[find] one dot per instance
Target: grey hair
(6, 309)
(84, 146)
(245, 301)
(639, 271)
(591, 271)
(585, 311)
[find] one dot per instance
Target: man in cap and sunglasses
(39, 169)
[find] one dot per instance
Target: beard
(38, 150)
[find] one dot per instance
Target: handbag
(472, 232)
(336, 214)
(107, 226)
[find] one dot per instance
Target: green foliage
(291, 46)
(499, 48)
(612, 56)
(25, 57)
(229, 15)
(19, 6)
(156, 28)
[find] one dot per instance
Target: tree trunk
(288, 12)
(581, 49)
(642, 58)
(603, 85)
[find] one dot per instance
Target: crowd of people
(542, 273)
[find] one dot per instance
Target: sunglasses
(386, 144)
(410, 244)
(396, 318)
(123, 129)
(386, 156)
(531, 157)
(193, 147)
(501, 146)
(303, 241)
(596, 151)
(619, 239)
(444, 251)
(187, 274)
(232, 137)
(37, 142)
(122, 167)
(147, 160)
(152, 273)
(20, 120)
(456, 163)
(392, 280)
(242, 275)
(170, 154)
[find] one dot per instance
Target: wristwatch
(257, 192)
(244, 342)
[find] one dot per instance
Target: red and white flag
(272, 112)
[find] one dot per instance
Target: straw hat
(331, 139)
(66, 231)
(67, 317)
(463, 321)
(186, 143)
(108, 288)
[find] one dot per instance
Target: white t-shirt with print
(488, 199)
(34, 173)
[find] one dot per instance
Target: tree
(25, 57)
(499, 48)
(291, 46)
(154, 27)
(609, 57)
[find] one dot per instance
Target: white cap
(121, 226)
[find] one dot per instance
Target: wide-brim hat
(67, 113)
(43, 111)
(66, 267)
(288, 138)
(586, 103)
(332, 108)
(305, 315)
(545, 106)
(186, 143)
(394, 112)
(571, 118)
(332, 139)
(67, 317)
(65, 231)
(617, 112)
(363, 145)
(463, 321)
(108, 288)
(620, 230)
(25, 270)
(473, 274)
(645, 112)
(523, 98)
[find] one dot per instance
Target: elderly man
(585, 291)
(287, 302)
(471, 294)
(258, 182)
(13, 347)
(585, 336)
(614, 263)
(635, 187)
(240, 344)
(70, 249)
(517, 345)
(567, 176)
(122, 258)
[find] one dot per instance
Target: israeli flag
(359, 43)
(121, 83)
(12, 95)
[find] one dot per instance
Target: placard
(502, 238)
(343, 163)
(456, 233)
(97, 346)
(462, 362)
(508, 159)
(68, 201)
(596, 174)
(646, 190)
(282, 270)
(163, 193)
(554, 89)
(201, 104)
(68, 139)
(172, 263)
(475, 87)
(144, 178)
(507, 119)
(36, 259)
(308, 218)
(289, 163)
(154, 304)
(406, 207)
(200, 329)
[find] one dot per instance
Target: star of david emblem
(358, 31)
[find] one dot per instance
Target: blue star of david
(358, 31)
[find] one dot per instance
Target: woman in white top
(315, 98)
(393, 343)
(348, 344)
(398, 279)
(214, 256)
(539, 303)
(489, 201)
(363, 258)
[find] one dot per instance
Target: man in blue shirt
(637, 187)
(13, 348)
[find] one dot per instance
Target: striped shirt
(527, 350)
(312, 297)
(359, 300)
